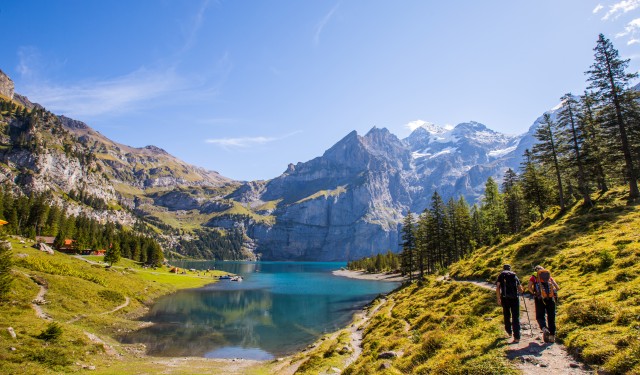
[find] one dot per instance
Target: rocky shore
(362, 275)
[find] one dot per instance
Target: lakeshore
(362, 275)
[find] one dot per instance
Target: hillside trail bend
(39, 301)
(532, 355)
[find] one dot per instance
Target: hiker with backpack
(507, 289)
(544, 289)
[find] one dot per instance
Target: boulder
(45, 248)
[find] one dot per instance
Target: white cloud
(630, 29)
(111, 95)
(28, 59)
(323, 22)
(621, 7)
(598, 8)
(242, 142)
(245, 142)
(141, 88)
(194, 27)
(633, 41)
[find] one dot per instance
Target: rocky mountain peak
(6, 85)
(73, 124)
(471, 126)
(155, 149)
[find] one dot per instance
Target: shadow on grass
(578, 221)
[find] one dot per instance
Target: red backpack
(544, 287)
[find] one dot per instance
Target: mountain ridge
(347, 203)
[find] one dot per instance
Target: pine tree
(535, 186)
(408, 245)
(573, 134)
(609, 81)
(463, 225)
(515, 205)
(422, 247)
(477, 226)
(593, 146)
(113, 254)
(547, 152)
(437, 237)
(493, 211)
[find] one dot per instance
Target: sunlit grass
(78, 303)
(594, 254)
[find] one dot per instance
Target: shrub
(51, 333)
(606, 259)
(626, 293)
(432, 341)
(590, 312)
(624, 276)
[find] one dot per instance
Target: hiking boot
(552, 338)
(545, 334)
(515, 341)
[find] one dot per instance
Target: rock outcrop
(6, 86)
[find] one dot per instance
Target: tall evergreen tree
(113, 254)
(463, 225)
(493, 211)
(477, 226)
(547, 152)
(535, 186)
(437, 236)
(515, 204)
(594, 152)
(574, 136)
(609, 81)
(408, 245)
(424, 259)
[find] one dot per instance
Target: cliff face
(343, 205)
(42, 152)
(6, 86)
(346, 204)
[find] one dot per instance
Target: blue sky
(246, 87)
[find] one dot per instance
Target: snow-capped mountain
(457, 161)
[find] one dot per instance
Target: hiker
(507, 289)
(544, 289)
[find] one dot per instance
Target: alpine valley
(346, 204)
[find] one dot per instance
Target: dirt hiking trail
(532, 355)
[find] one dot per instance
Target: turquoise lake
(279, 308)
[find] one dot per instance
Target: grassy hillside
(594, 255)
(80, 297)
(434, 327)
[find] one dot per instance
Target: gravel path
(533, 356)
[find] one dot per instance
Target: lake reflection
(279, 308)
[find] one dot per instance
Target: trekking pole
(527, 311)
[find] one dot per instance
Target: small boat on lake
(236, 278)
(225, 277)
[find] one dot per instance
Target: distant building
(45, 240)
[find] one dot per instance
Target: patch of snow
(444, 137)
(502, 152)
(419, 155)
(447, 150)
(558, 106)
